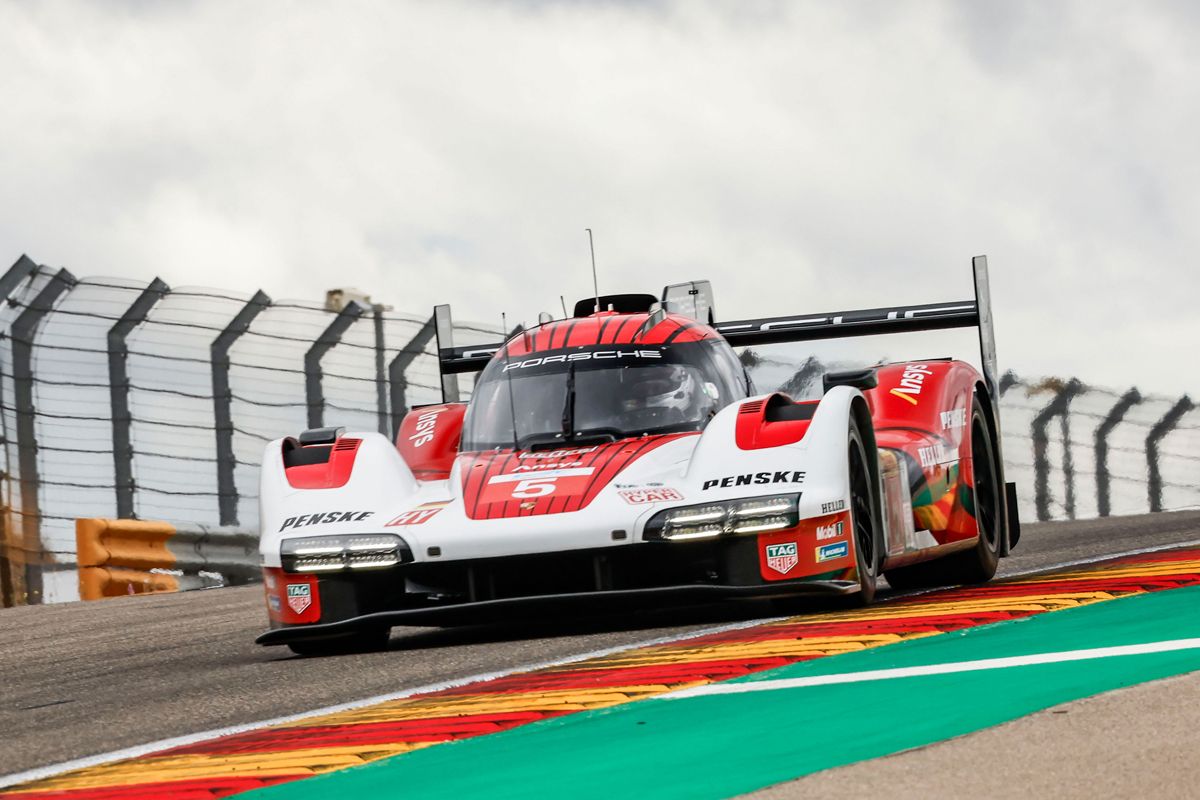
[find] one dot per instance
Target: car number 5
(534, 487)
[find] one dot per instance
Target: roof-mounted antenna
(595, 281)
(563, 300)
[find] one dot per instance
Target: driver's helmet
(661, 395)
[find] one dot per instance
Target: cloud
(803, 156)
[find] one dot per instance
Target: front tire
(864, 517)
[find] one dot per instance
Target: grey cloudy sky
(803, 156)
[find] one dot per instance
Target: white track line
(178, 741)
(935, 669)
(40, 773)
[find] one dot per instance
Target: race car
(621, 458)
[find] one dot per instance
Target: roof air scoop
(620, 303)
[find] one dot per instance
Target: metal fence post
(314, 393)
(381, 396)
(23, 331)
(1041, 462)
(118, 387)
(399, 366)
(1161, 428)
(9, 579)
(1110, 421)
(227, 493)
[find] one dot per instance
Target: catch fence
(133, 401)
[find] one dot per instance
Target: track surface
(83, 679)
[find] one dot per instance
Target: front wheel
(864, 517)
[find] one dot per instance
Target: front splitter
(485, 611)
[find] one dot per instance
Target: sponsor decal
(954, 419)
(836, 505)
(782, 557)
(933, 455)
(833, 531)
(299, 597)
(649, 495)
(596, 355)
(426, 422)
(554, 455)
(325, 518)
(911, 380)
(549, 465)
(274, 603)
(828, 552)
(537, 484)
(269, 579)
(419, 515)
(755, 479)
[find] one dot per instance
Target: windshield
(590, 393)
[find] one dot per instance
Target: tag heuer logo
(299, 596)
(781, 557)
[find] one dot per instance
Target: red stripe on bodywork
(608, 460)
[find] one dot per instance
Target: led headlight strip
(349, 551)
(753, 515)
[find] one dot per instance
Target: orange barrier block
(115, 554)
(96, 583)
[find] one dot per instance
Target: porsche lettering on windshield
(594, 355)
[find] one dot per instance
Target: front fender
(718, 467)
(378, 477)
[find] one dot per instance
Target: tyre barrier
(125, 556)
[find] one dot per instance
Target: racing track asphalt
(81, 679)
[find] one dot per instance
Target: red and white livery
(622, 456)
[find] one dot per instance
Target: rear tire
(977, 565)
(369, 641)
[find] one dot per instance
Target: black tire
(868, 534)
(978, 564)
(368, 641)
(864, 517)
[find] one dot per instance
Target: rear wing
(976, 313)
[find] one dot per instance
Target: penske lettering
(594, 355)
(911, 381)
(325, 518)
(954, 419)
(754, 479)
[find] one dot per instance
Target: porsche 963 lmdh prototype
(623, 454)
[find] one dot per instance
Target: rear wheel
(978, 564)
(358, 642)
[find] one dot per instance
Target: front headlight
(349, 551)
(754, 515)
